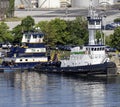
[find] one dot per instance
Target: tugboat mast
(94, 23)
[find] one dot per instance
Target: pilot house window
(91, 22)
(34, 36)
(97, 22)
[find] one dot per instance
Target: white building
(49, 3)
(62, 3)
(53, 3)
(110, 2)
(86, 3)
(42, 3)
(83, 3)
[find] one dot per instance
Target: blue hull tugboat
(91, 59)
(31, 53)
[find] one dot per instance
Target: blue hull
(13, 69)
(20, 67)
(108, 68)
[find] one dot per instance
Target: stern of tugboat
(111, 69)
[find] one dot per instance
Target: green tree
(108, 40)
(27, 23)
(62, 32)
(117, 20)
(42, 25)
(55, 31)
(10, 10)
(5, 34)
(17, 33)
(59, 27)
(78, 31)
(115, 38)
(48, 31)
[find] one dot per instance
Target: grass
(12, 19)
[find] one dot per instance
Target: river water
(31, 89)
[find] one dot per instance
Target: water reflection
(31, 89)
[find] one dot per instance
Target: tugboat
(91, 59)
(30, 53)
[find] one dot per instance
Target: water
(31, 89)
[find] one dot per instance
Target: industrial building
(61, 3)
(42, 3)
(84, 3)
(110, 2)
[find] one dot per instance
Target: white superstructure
(92, 54)
(32, 39)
